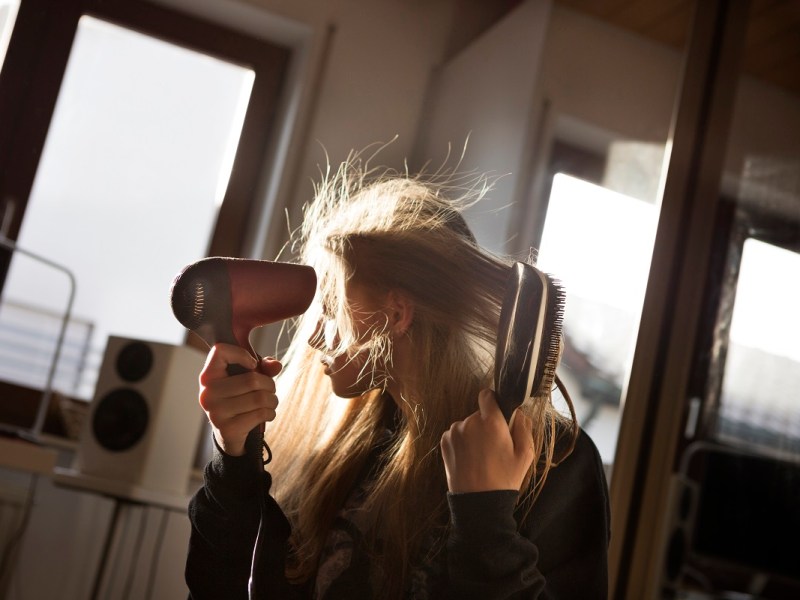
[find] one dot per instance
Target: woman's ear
(400, 308)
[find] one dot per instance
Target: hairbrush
(528, 337)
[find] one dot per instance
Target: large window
(140, 135)
(135, 166)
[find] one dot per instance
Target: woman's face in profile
(347, 372)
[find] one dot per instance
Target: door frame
(657, 400)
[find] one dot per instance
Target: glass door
(742, 432)
(716, 473)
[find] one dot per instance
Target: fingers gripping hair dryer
(222, 300)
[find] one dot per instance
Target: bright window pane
(136, 162)
(758, 405)
(8, 15)
(599, 244)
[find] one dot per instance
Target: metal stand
(33, 434)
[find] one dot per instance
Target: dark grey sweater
(559, 550)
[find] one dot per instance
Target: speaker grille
(120, 419)
(134, 361)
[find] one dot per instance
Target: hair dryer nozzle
(224, 299)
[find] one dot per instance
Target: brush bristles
(552, 334)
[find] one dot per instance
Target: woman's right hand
(235, 404)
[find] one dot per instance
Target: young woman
(395, 474)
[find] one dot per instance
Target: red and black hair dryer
(223, 299)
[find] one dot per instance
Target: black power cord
(256, 447)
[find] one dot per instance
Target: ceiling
(772, 46)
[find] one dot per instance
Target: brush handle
(519, 337)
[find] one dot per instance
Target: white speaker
(142, 430)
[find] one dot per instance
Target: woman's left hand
(481, 453)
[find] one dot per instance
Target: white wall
(487, 93)
(599, 84)
(625, 85)
(608, 77)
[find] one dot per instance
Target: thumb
(487, 404)
(270, 366)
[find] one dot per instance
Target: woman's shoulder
(582, 462)
(579, 478)
(575, 489)
(586, 451)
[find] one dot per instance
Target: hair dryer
(223, 299)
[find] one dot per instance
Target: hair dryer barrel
(224, 299)
(264, 292)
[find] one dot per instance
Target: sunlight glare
(765, 314)
(598, 243)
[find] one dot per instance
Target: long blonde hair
(391, 231)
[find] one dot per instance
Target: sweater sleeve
(225, 516)
(487, 557)
(560, 551)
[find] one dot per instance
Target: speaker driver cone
(134, 361)
(120, 419)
